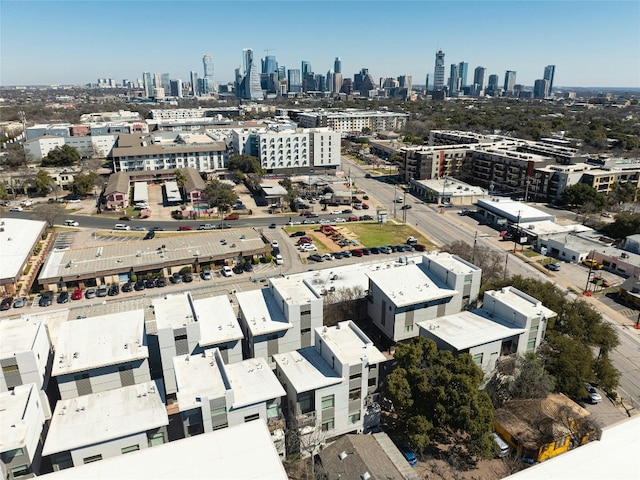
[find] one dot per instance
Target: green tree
(83, 183)
(4, 194)
(437, 396)
(220, 194)
(63, 156)
(582, 194)
(531, 380)
(43, 182)
(624, 224)
(622, 193)
(245, 163)
(181, 178)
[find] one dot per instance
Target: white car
(340, 220)
(15, 209)
(328, 256)
(74, 200)
(227, 271)
(274, 244)
(279, 260)
(71, 223)
(26, 203)
(336, 212)
(308, 247)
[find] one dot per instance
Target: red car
(77, 294)
(125, 219)
(357, 252)
(352, 219)
(232, 216)
(184, 228)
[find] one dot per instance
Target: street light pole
(475, 242)
(394, 200)
(515, 238)
(404, 206)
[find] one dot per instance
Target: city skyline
(79, 42)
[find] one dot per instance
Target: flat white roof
(349, 276)
(519, 301)
(52, 319)
(350, 344)
(241, 452)
(261, 312)
(218, 322)
(13, 429)
(197, 376)
(17, 239)
(18, 335)
(94, 342)
(409, 285)
(450, 262)
(293, 290)
(253, 382)
(468, 329)
(174, 310)
(306, 370)
(514, 209)
(104, 416)
(546, 227)
(450, 186)
(614, 456)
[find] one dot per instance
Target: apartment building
(436, 161)
(352, 120)
(158, 151)
(186, 326)
(107, 424)
(25, 354)
(102, 353)
(330, 384)
(213, 395)
(22, 430)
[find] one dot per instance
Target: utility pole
(517, 232)
(404, 207)
(475, 242)
(394, 200)
(586, 292)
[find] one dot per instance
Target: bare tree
(343, 304)
(49, 212)
(491, 263)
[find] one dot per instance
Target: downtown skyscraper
(549, 72)
(209, 85)
(509, 81)
(438, 71)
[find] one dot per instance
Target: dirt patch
(486, 470)
(329, 244)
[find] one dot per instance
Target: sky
(592, 43)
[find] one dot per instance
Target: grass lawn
(370, 234)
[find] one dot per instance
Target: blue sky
(592, 43)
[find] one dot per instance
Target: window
(560, 442)
(354, 394)
(328, 402)
(305, 402)
(10, 368)
(218, 411)
(129, 449)
(156, 439)
(408, 328)
(7, 457)
(372, 382)
(328, 425)
(477, 358)
(251, 418)
(273, 409)
(20, 471)
(93, 458)
(531, 344)
(355, 376)
(354, 417)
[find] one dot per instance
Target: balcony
(275, 423)
(306, 419)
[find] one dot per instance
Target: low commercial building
(446, 191)
(23, 428)
(328, 384)
(18, 239)
(212, 395)
(102, 425)
(228, 448)
(502, 213)
(102, 353)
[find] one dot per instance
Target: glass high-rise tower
(207, 62)
(509, 81)
(463, 68)
(549, 72)
(438, 71)
(337, 65)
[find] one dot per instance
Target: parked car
(503, 447)
(77, 294)
(300, 233)
(139, 286)
(237, 269)
(102, 291)
(6, 303)
(127, 287)
(606, 214)
(357, 252)
(327, 256)
(90, 293)
(419, 248)
(352, 219)
(176, 278)
(247, 267)
(46, 299)
(19, 302)
(232, 216)
(121, 226)
(226, 271)
(150, 234)
(206, 274)
(114, 290)
(63, 297)
(207, 226)
(405, 207)
(274, 244)
(375, 250)
(273, 225)
(184, 228)
(366, 217)
(335, 212)
(125, 219)
(553, 266)
(346, 253)
(161, 282)
(592, 394)
(304, 239)
(187, 277)
(139, 228)
(316, 258)
(71, 223)
(308, 247)
(409, 455)
(591, 263)
(150, 283)
(15, 209)
(347, 210)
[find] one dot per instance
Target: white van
(503, 447)
(279, 260)
(121, 226)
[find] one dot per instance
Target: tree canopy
(83, 183)
(49, 212)
(624, 224)
(577, 342)
(43, 182)
(245, 164)
(63, 156)
(220, 194)
(585, 196)
(437, 396)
